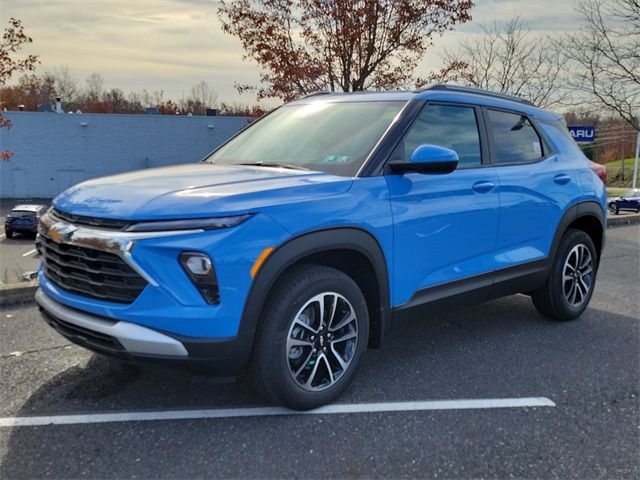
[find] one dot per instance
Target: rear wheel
(613, 208)
(312, 335)
(571, 280)
(9, 233)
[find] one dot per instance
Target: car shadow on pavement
(499, 349)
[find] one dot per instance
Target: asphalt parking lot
(587, 370)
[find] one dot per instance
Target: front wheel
(312, 335)
(613, 208)
(572, 277)
(9, 234)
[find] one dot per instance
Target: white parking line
(2, 236)
(26, 254)
(277, 411)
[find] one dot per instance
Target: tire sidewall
(572, 239)
(272, 345)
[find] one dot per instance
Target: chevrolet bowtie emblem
(59, 232)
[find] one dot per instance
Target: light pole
(635, 163)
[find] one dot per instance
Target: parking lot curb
(16, 294)
(623, 220)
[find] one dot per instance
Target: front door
(445, 225)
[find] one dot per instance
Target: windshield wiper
(273, 165)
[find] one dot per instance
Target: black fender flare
(581, 209)
(298, 247)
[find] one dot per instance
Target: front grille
(90, 221)
(84, 336)
(90, 273)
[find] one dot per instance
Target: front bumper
(223, 357)
(170, 302)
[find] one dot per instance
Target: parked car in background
(293, 247)
(23, 219)
(628, 201)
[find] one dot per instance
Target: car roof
(441, 93)
(28, 208)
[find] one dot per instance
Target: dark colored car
(629, 200)
(23, 219)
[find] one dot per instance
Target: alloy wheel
(322, 340)
(577, 275)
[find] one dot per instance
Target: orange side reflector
(260, 260)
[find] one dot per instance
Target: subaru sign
(583, 133)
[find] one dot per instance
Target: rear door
(536, 186)
(445, 225)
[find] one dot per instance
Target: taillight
(8, 217)
(599, 170)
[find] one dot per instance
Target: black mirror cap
(438, 168)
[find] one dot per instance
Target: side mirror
(429, 159)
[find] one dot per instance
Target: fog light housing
(199, 268)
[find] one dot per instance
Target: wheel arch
(352, 250)
(586, 216)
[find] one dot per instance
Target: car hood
(195, 190)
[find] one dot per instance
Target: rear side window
(449, 126)
(514, 138)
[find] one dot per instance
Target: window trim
(547, 151)
(376, 163)
(483, 137)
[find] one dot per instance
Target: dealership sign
(583, 133)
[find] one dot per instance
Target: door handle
(482, 187)
(562, 179)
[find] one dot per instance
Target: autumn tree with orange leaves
(13, 39)
(303, 46)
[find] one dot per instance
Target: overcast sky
(171, 45)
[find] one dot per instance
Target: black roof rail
(476, 91)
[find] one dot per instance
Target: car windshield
(629, 193)
(331, 137)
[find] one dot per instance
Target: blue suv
(293, 247)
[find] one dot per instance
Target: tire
(565, 294)
(289, 367)
(9, 234)
(613, 208)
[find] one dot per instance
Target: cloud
(171, 45)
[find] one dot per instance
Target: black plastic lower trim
(474, 290)
(225, 357)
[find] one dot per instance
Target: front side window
(331, 137)
(514, 138)
(448, 126)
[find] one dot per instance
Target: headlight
(215, 223)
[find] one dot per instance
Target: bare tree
(66, 85)
(607, 56)
(115, 100)
(507, 58)
(94, 88)
(202, 96)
